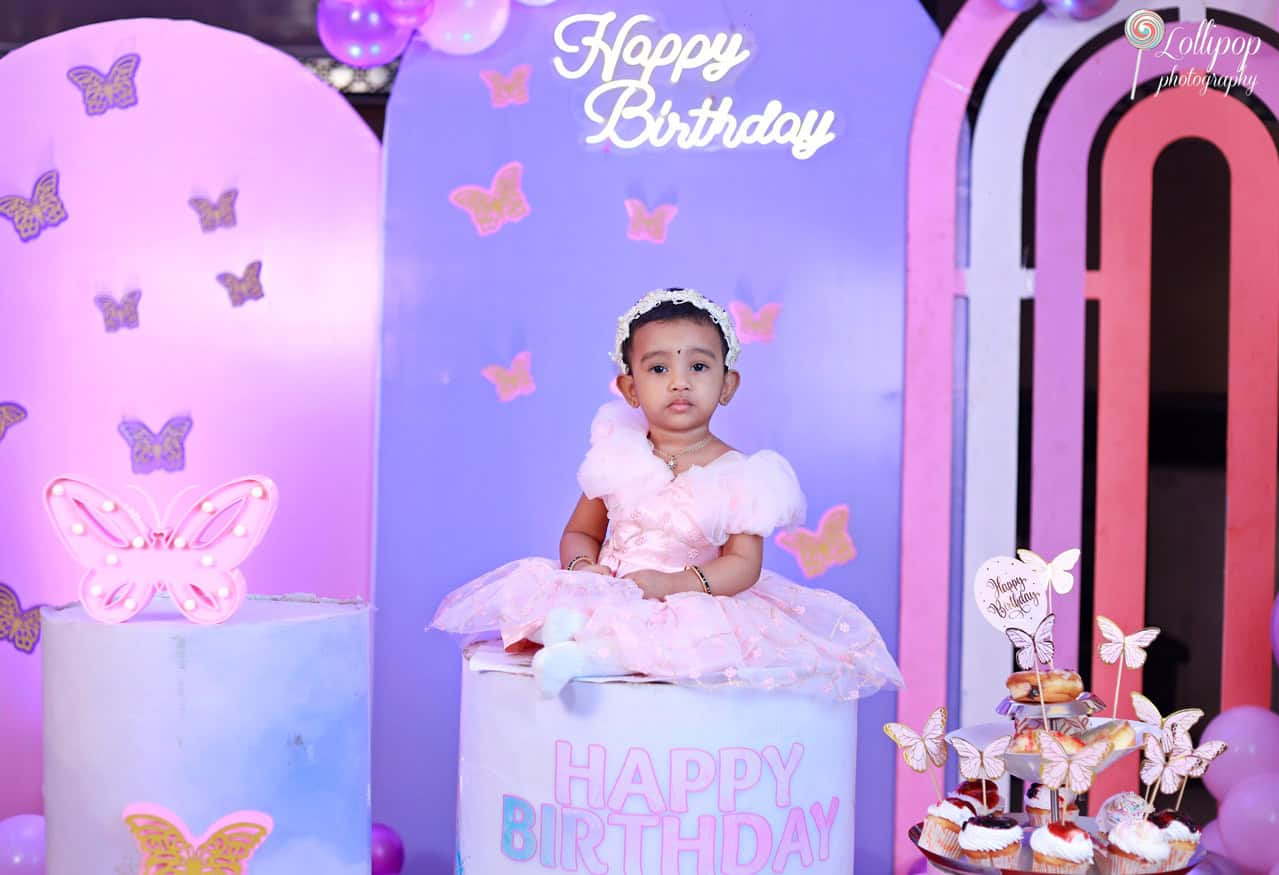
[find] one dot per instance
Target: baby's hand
(595, 569)
(654, 584)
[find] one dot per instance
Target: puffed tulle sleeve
(620, 462)
(751, 495)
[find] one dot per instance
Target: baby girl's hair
(669, 311)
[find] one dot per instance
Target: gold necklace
(673, 458)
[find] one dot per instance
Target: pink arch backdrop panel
(1123, 287)
(282, 384)
(1060, 230)
(932, 282)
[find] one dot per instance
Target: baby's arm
(736, 570)
(584, 534)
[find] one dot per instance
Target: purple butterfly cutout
(115, 89)
(121, 315)
(149, 451)
(16, 625)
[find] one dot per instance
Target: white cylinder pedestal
(266, 713)
(636, 778)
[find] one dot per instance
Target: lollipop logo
(1144, 29)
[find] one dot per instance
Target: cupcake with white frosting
(991, 841)
(1137, 847)
(1182, 833)
(1039, 805)
(941, 827)
(1122, 808)
(1062, 848)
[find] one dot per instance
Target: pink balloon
(464, 27)
(1252, 734)
(408, 13)
(359, 33)
(22, 845)
(1249, 819)
(388, 851)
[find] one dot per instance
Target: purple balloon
(22, 845)
(1216, 864)
(1080, 10)
(1210, 838)
(1018, 5)
(1249, 819)
(408, 13)
(359, 33)
(388, 851)
(1252, 734)
(920, 867)
(1274, 630)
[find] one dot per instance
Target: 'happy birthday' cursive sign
(625, 104)
(1009, 593)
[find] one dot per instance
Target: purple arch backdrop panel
(468, 481)
(128, 306)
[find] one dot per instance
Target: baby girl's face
(678, 371)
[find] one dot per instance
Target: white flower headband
(675, 296)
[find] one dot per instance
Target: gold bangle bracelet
(573, 562)
(701, 575)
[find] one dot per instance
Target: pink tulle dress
(776, 634)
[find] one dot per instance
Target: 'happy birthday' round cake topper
(128, 560)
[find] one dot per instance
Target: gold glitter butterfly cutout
(246, 288)
(115, 89)
(16, 625)
(818, 551)
(648, 225)
(491, 208)
(507, 90)
(216, 214)
(168, 848)
(44, 210)
(11, 413)
(119, 315)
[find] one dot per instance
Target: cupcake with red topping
(1062, 848)
(941, 827)
(1137, 847)
(1039, 805)
(991, 841)
(1182, 834)
(984, 795)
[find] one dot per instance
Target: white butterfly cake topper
(127, 560)
(1171, 759)
(1131, 648)
(924, 747)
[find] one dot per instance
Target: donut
(1027, 741)
(1057, 686)
(1118, 732)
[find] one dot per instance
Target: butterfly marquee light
(195, 559)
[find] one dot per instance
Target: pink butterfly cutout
(510, 89)
(514, 381)
(491, 208)
(754, 327)
(646, 225)
(167, 845)
(127, 561)
(823, 549)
